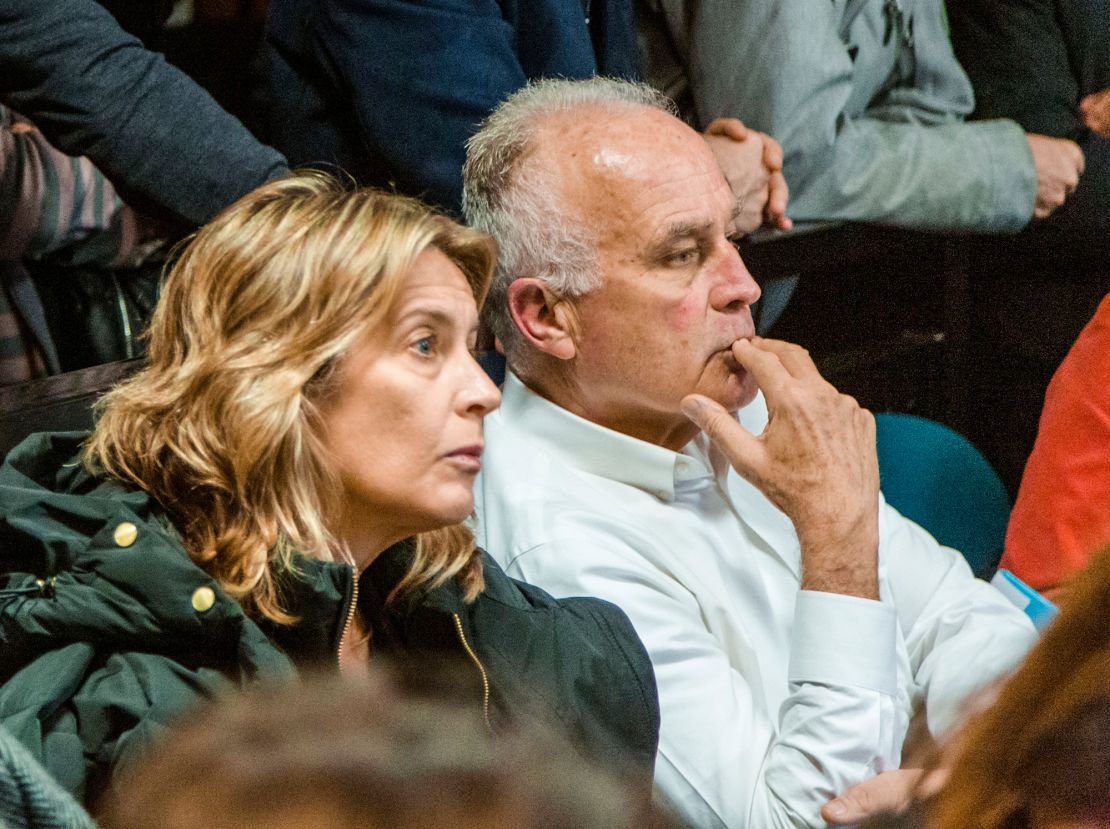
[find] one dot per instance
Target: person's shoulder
(41, 456)
(574, 616)
(511, 593)
(46, 480)
(106, 556)
(578, 611)
(595, 638)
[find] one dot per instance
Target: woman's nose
(480, 394)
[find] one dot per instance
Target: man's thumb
(887, 793)
(722, 428)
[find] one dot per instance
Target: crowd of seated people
(652, 578)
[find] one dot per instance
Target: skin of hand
(891, 792)
(816, 461)
(752, 164)
(1059, 164)
(1095, 109)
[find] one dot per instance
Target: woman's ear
(544, 319)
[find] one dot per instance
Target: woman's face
(403, 419)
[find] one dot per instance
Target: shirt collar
(600, 451)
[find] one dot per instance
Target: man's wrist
(857, 582)
(849, 567)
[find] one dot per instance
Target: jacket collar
(319, 595)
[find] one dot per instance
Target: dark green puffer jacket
(108, 631)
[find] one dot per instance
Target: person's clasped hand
(752, 164)
(1058, 163)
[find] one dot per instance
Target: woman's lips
(468, 458)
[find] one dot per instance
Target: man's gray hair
(512, 201)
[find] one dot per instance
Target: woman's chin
(451, 510)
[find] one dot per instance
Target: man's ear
(544, 319)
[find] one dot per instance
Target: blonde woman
(283, 488)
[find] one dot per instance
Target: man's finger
(793, 357)
(764, 366)
(890, 792)
(772, 153)
(743, 450)
(1099, 122)
(778, 193)
(731, 127)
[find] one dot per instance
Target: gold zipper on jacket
(481, 669)
(350, 617)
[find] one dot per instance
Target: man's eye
(683, 257)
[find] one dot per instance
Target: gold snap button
(125, 534)
(203, 599)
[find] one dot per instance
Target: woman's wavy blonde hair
(222, 426)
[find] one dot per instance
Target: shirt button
(203, 599)
(125, 534)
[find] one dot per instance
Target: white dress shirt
(774, 699)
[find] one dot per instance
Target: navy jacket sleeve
(94, 90)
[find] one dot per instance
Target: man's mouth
(730, 359)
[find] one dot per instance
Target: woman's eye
(425, 346)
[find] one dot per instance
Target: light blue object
(1036, 606)
(935, 477)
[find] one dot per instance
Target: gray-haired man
(793, 619)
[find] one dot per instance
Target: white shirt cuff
(844, 640)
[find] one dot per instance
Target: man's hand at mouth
(815, 461)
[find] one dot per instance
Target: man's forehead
(623, 162)
(622, 141)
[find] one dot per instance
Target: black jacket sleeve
(94, 90)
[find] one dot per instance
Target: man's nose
(735, 288)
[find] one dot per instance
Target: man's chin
(739, 390)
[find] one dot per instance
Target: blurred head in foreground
(333, 754)
(1040, 756)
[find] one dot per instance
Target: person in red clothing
(1062, 514)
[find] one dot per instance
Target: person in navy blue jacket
(390, 90)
